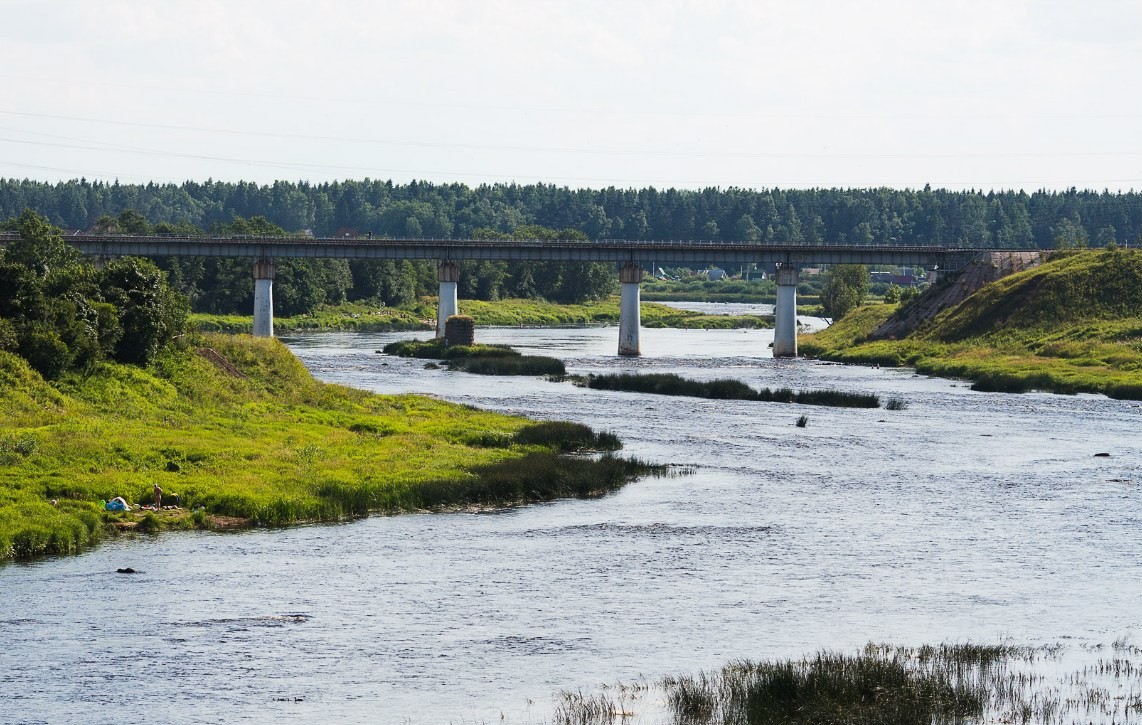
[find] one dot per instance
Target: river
(967, 516)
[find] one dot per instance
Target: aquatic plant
(724, 389)
(827, 688)
(567, 437)
(883, 683)
(509, 365)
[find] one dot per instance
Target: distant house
(715, 273)
(346, 233)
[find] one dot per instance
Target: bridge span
(631, 256)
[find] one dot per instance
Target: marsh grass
(828, 688)
(567, 437)
(438, 349)
(927, 685)
(270, 447)
(724, 389)
(537, 365)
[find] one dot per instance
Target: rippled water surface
(967, 516)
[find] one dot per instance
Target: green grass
(269, 446)
(724, 389)
(348, 317)
(1072, 325)
(359, 317)
(537, 313)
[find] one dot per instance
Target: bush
(42, 347)
(8, 340)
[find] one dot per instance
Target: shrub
(42, 347)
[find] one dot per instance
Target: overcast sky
(964, 94)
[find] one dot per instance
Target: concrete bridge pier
(264, 298)
(785, 313)
(448, 273)
(630, 312)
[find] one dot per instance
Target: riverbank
(356, 317)
(241, 432)
(1072, 325)
(347, 317)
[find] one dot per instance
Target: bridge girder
(646, 254)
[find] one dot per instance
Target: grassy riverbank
(348, 317)
(356, 317)
(536, 313)
(1072, 325)
(239, 428)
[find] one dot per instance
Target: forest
(1008, 219)
(419, 209)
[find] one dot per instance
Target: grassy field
(349, 317)
(355, 317)
(244, 432)
(1072, 325)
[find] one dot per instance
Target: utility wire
(580, 150)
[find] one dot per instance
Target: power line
(580, 150)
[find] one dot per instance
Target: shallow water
(968, 516)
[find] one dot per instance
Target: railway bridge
(631, 258)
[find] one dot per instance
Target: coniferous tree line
(1010, 219)
(1004, 219)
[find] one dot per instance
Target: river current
(965, 517)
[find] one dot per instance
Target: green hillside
(1076, 288)
(1073, 324)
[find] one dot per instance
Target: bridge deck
(645, 253)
